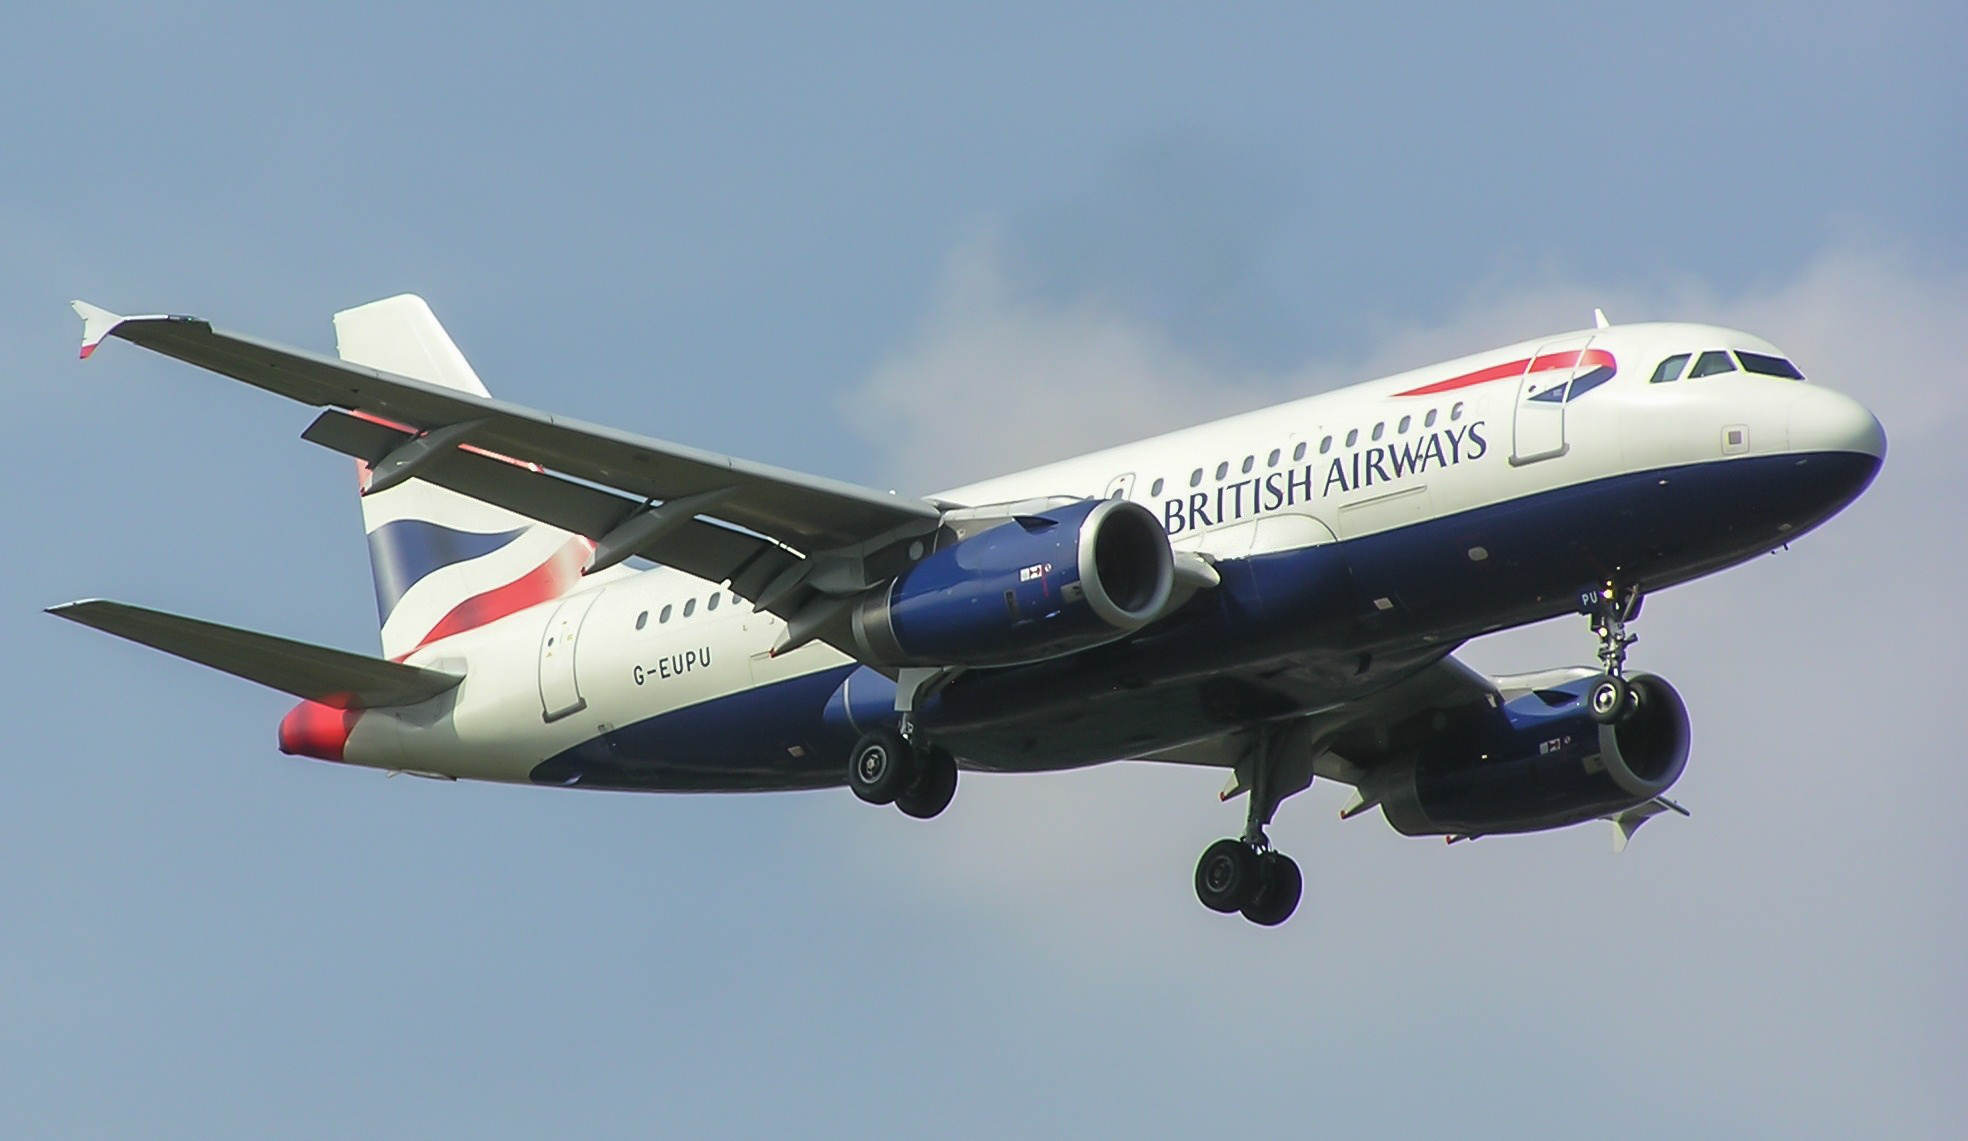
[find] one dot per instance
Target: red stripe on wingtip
(88, 349)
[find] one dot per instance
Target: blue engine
(1538, 762)
(1034, 587)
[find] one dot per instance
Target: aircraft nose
(1825, 421)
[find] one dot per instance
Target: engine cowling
(1034, 587)
(1538, 763)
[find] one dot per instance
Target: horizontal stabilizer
(334, 678)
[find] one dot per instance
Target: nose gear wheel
(1610, 607)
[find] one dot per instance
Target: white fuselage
(1332, 468)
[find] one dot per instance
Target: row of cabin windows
(1325, 446)
(1716, 361)
(689, 608)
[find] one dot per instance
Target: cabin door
(1539, 421)
(560, 691)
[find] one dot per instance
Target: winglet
(97, 323)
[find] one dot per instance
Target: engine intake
(1034, 587)
(1540, 763)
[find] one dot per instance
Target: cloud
(996, 379)
(1783, 919)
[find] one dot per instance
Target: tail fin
(444, 562)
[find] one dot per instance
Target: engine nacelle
(1540, 762)
(1034, 587)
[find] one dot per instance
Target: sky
(910, 247)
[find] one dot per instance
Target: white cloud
(995, 381)
(1765, 920)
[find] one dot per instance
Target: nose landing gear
(1610, 607)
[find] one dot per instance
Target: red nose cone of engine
(312, 729)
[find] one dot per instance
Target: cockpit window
(1710, 363)
(1670, 369)
(1768, 365)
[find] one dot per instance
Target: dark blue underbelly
(1284, 634)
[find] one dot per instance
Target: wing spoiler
(335, 678)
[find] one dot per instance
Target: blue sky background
(910, 247)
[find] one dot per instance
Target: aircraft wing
(808, 513)
(334, 678)
(1445, 686)
(704, 549)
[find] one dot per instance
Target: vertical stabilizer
(443, 562)
(401, 335)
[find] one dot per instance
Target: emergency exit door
(560, 689)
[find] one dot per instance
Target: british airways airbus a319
(1276, 594)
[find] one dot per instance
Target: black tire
(934, 786)
(1610, 700)
(1279, 886)
(881, 766)
(1226, 876)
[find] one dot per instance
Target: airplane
(1277, 594)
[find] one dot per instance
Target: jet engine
(1034, 587)
(1538, 762)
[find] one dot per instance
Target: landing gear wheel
(1279, 886)
(881, 767)
(1612, 700)
(1227, 876)
(935, 784)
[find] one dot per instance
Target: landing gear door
(1538, 425)
(560, 693)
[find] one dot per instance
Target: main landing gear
(1610, 607)
(886, 768)
(1245, 874)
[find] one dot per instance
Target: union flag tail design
(445, 563)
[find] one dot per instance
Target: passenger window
(1325, 446)
(1352, 436)
(1429, 420)
(664, 616)
(1223, 469)
(1670, 369)
(1249, 463)
(1156, 487)
(1196, 478)
(1456, 412)
(1764, 365)
(713, 603)
(1710, 363)
(1276, 455)
(642, 619)
(689, 607)
(1298, 453)
(1378, 429)
(1405, 421)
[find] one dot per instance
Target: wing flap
(334, 678)
(810, 513)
